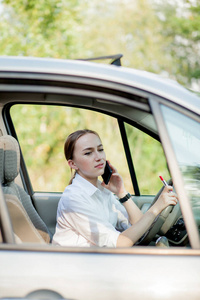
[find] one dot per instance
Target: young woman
(88, 212)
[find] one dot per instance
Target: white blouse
(89, 216)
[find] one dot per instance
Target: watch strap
(125, 198)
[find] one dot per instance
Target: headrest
(9, 158)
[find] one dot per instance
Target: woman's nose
(97, 155)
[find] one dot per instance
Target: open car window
(148, 159)
(42, 130)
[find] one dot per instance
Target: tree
(127, 27)
(154, 35)
(40, 28)
(180, 26)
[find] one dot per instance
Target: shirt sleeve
(123, 219)
(84, 218)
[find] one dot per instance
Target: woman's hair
(70, 144)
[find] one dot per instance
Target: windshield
(184, 133)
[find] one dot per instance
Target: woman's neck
(92, 180)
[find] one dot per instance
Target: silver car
(151, 127)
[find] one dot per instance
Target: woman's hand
(166, 198)
(115, 184)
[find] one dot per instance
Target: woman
(88, 212)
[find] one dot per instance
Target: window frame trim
(128, 157)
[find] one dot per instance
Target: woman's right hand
(167, 197)
(115, 184)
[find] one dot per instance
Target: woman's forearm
(131, 235)
(134, 213)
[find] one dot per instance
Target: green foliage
(42, 131)
(157, 36)
(128, 27)
(40, 28)
(180, 27)
(148, 158)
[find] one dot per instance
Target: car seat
(27, 224)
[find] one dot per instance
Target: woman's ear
(72, 164)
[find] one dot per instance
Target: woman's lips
(100, 166)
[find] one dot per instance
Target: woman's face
(89, 157)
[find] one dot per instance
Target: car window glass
(42, 130)
(185, 137)
(148, 159)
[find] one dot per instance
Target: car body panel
(109, 274)
(141, 80)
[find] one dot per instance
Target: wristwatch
(125, 198)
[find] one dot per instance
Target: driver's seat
(27, 224)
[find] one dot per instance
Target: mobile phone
(107, 173)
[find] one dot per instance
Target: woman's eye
(88, 153)
(100, 150)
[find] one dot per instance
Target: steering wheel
(158, 222)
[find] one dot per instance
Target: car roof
(145, 81)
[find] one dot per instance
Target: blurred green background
(161, 36)
(158, 36)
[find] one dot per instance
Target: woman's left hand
(115, 184)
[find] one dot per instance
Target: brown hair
(70, 144)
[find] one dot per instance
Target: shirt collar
(88, 187)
